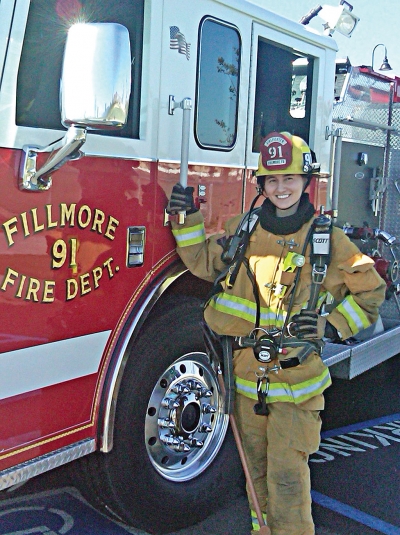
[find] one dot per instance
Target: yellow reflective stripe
(284, 392)
(254, 520)
(189, 235)
(312, 387)
(276, 392)
(246, 309)
(246, 388)
(353, 314)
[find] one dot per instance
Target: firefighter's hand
(181, 200)
(307, 325)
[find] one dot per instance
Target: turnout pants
(277, 447)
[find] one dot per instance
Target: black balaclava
(283, 226)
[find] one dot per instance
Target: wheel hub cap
(185, 422)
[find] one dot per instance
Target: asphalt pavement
(355, 475)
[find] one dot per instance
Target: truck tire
(171, 465)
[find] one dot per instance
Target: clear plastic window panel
(218, 85)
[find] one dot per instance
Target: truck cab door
(203, 59)
(291, 87)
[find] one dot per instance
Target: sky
(378, 24)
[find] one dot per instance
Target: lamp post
(385, 65)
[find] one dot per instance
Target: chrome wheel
(185, 423)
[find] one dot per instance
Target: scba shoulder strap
(243, 232)
(234, 256)
(320, 256)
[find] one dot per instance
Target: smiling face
(284, 191)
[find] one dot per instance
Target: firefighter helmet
(282, 153)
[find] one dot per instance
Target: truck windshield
(39, 72)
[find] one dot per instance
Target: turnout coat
(351, 279)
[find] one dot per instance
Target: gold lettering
(36, 226)
(72, 289)
(8, 278)
(48, 291)
(85, 284)
(10, 228)
(50, 223)
(88, 281)
(74, 247)
(95, 219)
(97, 274)
(98, 220)
(111, 227)
(33, 288)
(107, 264)
(25, 224)
(58, 254)
(84, 209)
(67, 213)
(21, 285)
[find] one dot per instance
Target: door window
(218, 72)
(283, 92)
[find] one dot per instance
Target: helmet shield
(284, 154)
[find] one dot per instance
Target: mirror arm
(62, 151)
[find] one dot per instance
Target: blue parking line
(355, 514)
(360, 425)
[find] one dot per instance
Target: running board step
(348, 361)
(24, 471)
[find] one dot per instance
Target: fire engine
(104, 106)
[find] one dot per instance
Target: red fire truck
(104, 106)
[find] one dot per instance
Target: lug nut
(166, 423)
(209, 409)
(170, 441)
(169, 403)
(182, 447)
(180, 389)
(194, 385)
(196, 443)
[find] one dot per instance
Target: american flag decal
(178, 42)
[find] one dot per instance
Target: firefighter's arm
(357, 288)
(200, 254)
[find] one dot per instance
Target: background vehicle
(100, 346)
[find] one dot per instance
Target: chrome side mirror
(96, 78)
(94, 95)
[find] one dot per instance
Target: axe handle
(264, 529)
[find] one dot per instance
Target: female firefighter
(272, 276)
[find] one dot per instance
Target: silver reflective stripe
(354, 314)
(190, 236)
(246, 309)
(284, 392)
